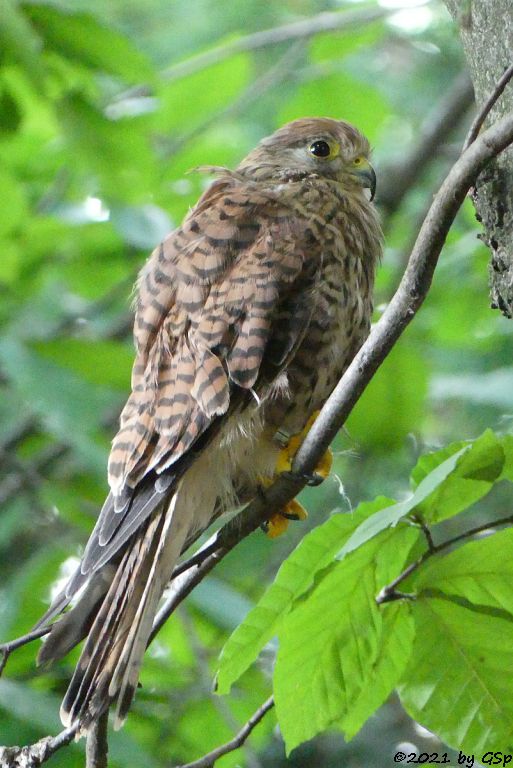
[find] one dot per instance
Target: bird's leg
(288, 453)
(278, 523)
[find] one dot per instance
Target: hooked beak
(367, 177)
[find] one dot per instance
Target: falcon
(246, 317)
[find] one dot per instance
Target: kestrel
(246, 317)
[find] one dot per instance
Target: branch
(208, 760)
(487, 107)
(323, 22)
(7, 648)
(97, 745)
(36, 754)
(438, 124)
(271, 78)
(390, 592)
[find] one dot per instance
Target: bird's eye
(320, 148)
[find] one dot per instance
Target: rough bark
(486, 29)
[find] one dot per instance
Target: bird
(246, 316)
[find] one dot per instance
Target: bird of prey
(246, 316)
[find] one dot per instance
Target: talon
(279, 522)
(287, 454)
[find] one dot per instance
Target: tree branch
(97, 745)
(36, 754)
(487, 107)
(208, 760)
(390, 592)
(324, 22)
(7, 648)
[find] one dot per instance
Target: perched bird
(246, 316)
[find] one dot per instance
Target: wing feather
(213, 297)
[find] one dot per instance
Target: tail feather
(126, 674)
(112, 655)
(73, 626)
(98, 644)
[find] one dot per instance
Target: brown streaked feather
(206, 301)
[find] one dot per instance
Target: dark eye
(320, 148)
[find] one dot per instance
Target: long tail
(118, 622)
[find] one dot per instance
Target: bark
(486, 29)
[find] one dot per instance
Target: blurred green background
(104, 108)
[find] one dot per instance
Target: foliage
(343, 648)
(98, 131)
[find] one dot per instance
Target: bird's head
(317, 146)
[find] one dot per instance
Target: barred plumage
(246, 316)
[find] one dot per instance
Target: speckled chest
(346, 246)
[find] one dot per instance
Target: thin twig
(487, 107)
(426, 530)
(390, 593)
(208, 760)
(280, 71)
(333, 21)
(97, 745)
(196, 559)
(7, 648)
(220, 703)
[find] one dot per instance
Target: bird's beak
(367, 177)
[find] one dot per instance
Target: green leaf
(325, 660)
(295, 576)
(82, 38)
(106, 363)
(455, 684)
(190, 100)
(390, 516)
(69, 408)
(323, 654)
(430, 461)
(475, 473)
(117, 150)
(14, 28)
(507, 446)
(386, 671)
(480, 571)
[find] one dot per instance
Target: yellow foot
(287, 454)
(278, 523)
